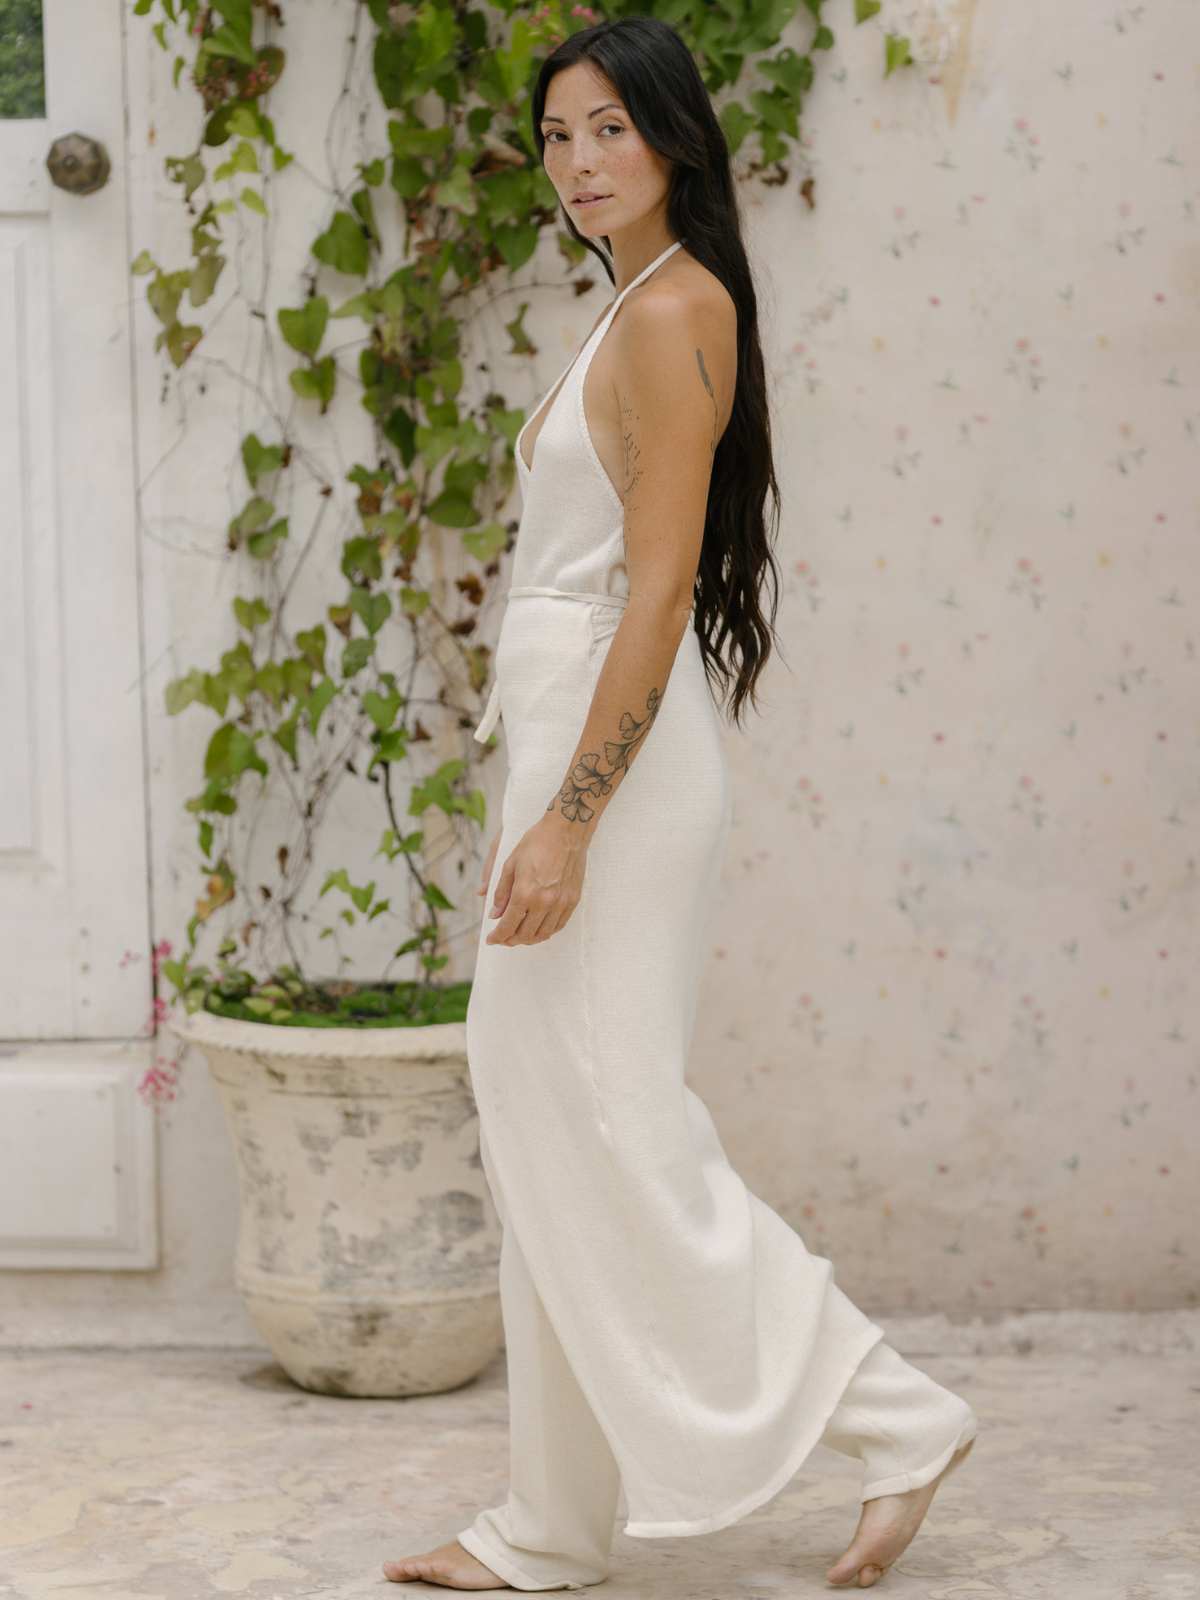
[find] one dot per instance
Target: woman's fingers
(526, 921)
(527, 915)
(503, 888)
(523, 914)
(509, 925)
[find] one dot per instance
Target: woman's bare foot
(449, 1565)
(886, 1528)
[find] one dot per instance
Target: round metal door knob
(78, 164)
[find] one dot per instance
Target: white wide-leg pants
(555, 1528)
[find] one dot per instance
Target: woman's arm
(669, 425)
(675, 357)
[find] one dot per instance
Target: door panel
(73, 856)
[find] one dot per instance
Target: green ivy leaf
(164, 293)
(896, 53)
(305, 328)
(487, 541)
(318, 700)
(316, 382)
(230, 753)
(457, 192)
(269, 681)
(343, 245)
(453, 509)
(516, 243)
(183, 692)
(204, 278)
(181, 339)
(381, 708)
(362, 559)
(251, 613)
(373, 610)
(243, 159)
(285, 736)
(187, 170)
(259, 459)
(255, 514)
(409, 178)
(253, 201)
(736, 122)
(311, 644)
(356, 655)
(790, 72)
(260, 545)
(362, 305)
(365, 210)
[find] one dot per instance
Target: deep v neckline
(554, 394)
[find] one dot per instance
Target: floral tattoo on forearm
(587, 780)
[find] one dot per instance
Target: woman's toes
(869, 1576)
(850, 1567)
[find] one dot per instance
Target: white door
(75, 981)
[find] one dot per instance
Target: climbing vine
(378, 681)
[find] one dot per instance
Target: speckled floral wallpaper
(950, 1025)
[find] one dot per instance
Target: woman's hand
(540, 883)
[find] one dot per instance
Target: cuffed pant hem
(901, 1482)
(504, 1568)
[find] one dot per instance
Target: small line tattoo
(586, 780)
(631, 462)
(707, 382)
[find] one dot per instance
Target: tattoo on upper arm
(631, 472)
(707, 382)
(631, 469)
(586, 779)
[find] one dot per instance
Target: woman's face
(592, 147)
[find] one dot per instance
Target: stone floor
(185, 1474)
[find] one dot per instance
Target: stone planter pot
(368, 1246)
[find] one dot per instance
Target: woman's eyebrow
(607, 106)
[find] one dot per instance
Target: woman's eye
(550, 137)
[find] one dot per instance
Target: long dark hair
(653, 71)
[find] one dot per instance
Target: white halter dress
(669, 1337)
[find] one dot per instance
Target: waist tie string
(491, 715)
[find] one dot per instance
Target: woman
(674, 1351)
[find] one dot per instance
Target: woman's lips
(594, 202)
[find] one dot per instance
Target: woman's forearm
(624, 705)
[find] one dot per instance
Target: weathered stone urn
(368, 1245)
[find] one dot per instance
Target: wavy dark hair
(653, 71)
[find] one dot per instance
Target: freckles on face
(610, 151)
(589, 137)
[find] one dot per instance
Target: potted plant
(368, 1244)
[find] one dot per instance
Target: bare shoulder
(681, 322)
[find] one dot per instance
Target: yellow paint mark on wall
(954, 73)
